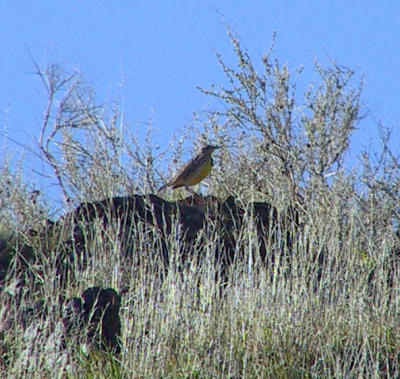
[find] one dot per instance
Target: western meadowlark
(198, 168)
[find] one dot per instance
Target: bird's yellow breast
(200, 172)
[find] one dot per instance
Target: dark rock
(96, 318)
(66, 240)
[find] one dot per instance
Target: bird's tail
(163, 187)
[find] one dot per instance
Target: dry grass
(282, 322)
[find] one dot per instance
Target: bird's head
(208, 149)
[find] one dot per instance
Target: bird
(194, 171)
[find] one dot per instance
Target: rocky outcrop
(93, 318)
(66, 239)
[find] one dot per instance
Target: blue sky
(162, 50)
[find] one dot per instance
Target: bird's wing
(186, 170)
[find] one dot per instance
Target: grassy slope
(267, 323)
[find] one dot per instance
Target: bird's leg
(192, 192)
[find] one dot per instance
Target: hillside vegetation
(313, 295)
